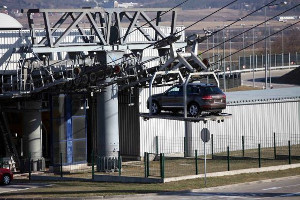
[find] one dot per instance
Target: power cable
(240, 19)
(224, 27)
(186, 27)
(256, 42)
(208, 16)
(193, 24)
(250, 28)
(234, 23)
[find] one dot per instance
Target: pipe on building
(32, 130)
(108, 122)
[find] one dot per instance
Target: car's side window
(193, 90)
(174, 91)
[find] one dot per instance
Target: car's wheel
(155, 109)
(194, 109)
(6, 179)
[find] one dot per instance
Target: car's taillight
(207, 97)
(224, 96)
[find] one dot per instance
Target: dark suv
(200, 97)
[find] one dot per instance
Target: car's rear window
(211, 90)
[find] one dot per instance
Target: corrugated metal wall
(257, 122)
(169, 131)
(8, 41)
(129, 128)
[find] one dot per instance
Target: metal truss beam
(104, 26)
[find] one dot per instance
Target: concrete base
(125, 179)
(235, 172)
(107, 164)
(99, 178)
(36, 165)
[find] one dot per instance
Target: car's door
(172, 97)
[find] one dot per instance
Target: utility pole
(266, 50)
(213, 40)
(270, 57)
(244, 58)
(224, 62)
(230, 50)
(282, 49)
(253, 56)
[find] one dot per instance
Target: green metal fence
(275, 151)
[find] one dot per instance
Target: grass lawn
(90, 189)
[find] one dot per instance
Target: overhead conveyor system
(78, 49)
(95, 53)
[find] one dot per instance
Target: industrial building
(63, 84)
(70, 90)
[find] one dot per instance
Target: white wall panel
(257, 122)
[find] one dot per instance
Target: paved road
(287, 188)
(259, 79)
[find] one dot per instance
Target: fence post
(156, 141)
(119, 163)
(162, 165)
(290, 156)
(93, 165)
(29, 167)
(61, 165)
(228, 159)
(184, 146)
(145, 163)
(212, 146)
(274, 143)
(259, 156)
(148, 165)
(243, 146)
(196, 161)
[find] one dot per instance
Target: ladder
(8, 141)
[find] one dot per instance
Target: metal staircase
(7, 138)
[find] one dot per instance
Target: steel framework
(88, 49)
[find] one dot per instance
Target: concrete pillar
(32, 130)
(188, 145)
(108, 122)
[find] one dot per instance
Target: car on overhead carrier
(200, 98)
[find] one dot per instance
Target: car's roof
(201, 84)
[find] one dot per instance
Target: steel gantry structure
(81, 48)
